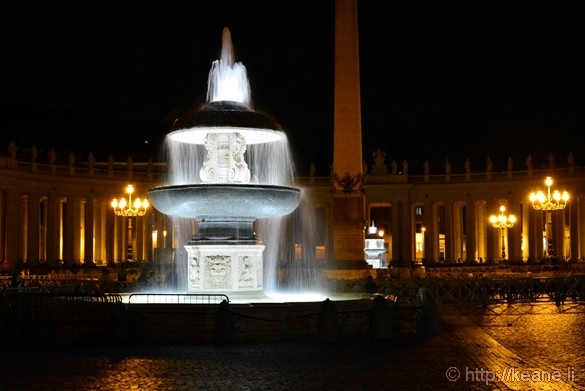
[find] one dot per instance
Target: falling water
(289, 256)
(269, 163)
(290, 259)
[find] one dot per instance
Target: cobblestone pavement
(519, 347)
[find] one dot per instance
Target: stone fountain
(226, 197)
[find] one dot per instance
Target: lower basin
(229, 201)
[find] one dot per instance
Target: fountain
(211, 182)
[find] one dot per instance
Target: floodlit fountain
(229, 166)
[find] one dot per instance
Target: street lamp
(503, 221)
(548, 203)
(131, 209)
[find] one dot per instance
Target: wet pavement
(518, 347)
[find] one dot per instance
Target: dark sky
(443, 79)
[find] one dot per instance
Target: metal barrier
(490, 291)
(31, 316)
(177, 298)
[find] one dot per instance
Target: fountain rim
(198, 134)
(226, 185)
(225, 116)
(208, 201)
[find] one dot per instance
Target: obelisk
(347, 178)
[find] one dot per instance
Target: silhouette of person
(370, 285)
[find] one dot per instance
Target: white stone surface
(225, 268)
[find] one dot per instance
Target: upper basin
(225, 201)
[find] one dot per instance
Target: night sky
(444, 79)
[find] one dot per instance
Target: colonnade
(40, 229)
(51, 214)
(450, 222)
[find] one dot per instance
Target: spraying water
(228, 80)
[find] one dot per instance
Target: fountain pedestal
(215, 268)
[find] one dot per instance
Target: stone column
(402, 234)
(515, 233)
(535, 229)
(53, 229)
(407, 233)
(33, 231)
(118, 247)
(525, 212)
(99, 252)
(558, 232)
(396, 233)
(13, 225)
(88, 224)
(430, 233)
(110, 238)
(470, 231)
(78, 216)
(457, 232)
(139, 233)
(435, 231)
(43, 205)
(495, 234)
(125, 236)
(347, 177)
(449, 232)
(347, 109)
(482, 224)
(23, 218)
(349, 217)
(68, 230)
(3, 230)
(162, 224)
(147, 245)
(577, 216)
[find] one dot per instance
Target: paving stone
(469, 341)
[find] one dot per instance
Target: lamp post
(503, 221)
(547, 203)
(131, 209)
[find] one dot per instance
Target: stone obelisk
(347, 177)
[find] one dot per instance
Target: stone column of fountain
(224, 255)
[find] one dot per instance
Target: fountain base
(226, 269)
